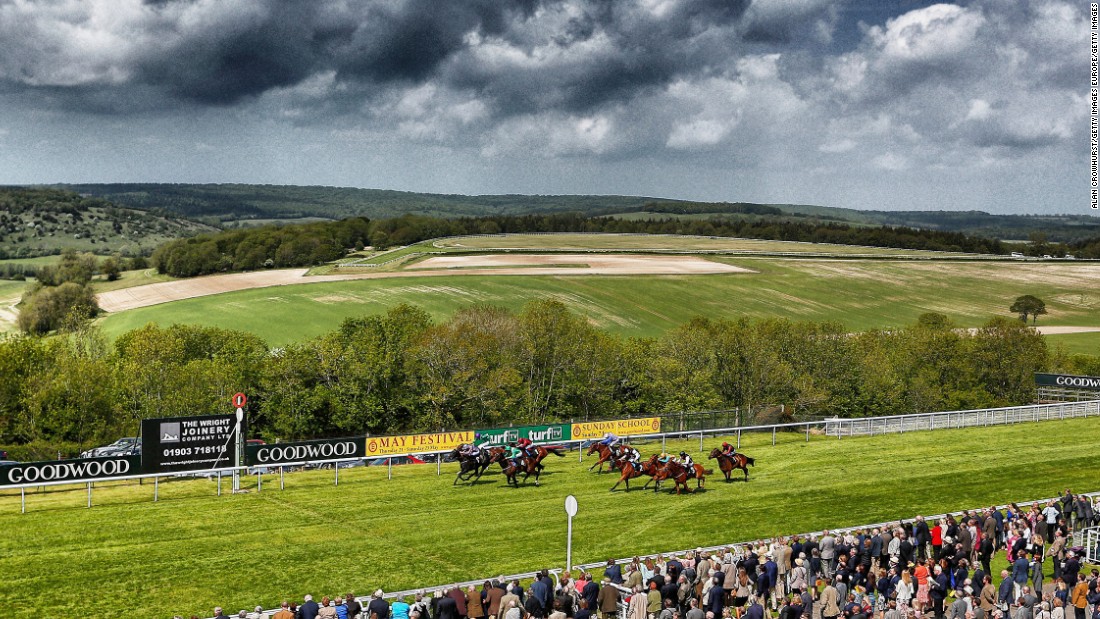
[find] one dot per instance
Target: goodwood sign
(1091, 383)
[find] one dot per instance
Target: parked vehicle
(397, 460)
(1016, 254)
(8, 463)
(122, 447)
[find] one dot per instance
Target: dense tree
(48, 308)
(1028, 305)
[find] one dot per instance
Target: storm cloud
(766, 98)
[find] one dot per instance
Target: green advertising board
(537, 434)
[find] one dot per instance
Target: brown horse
(541, 453)
(729, 464)
(676, 472)
(527, 465)
(649, 467)
(606, 455)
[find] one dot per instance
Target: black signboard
(189, 443)
(76, 470)
(1069, 381)
(307, 451)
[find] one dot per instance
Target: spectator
(558, 612)
(512, 610)
(1079, 598)
(582, 610)
(309, 608)
(608, 600)
(378, 608)
(341, 608)
(636, 605)
(694, 612)
(284, 611)
(328, 608)
(400, 609)
(257, 613)
(754, 609)
(653, 601)
(830, 602)
(474, 608)
(510, 595)
(218, 614)
(355, 609)
(446, 608)
(938, 592)
(613, 572)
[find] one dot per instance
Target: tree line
(316, 243)
(487, 366)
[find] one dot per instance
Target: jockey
(610, 440)
(525, 445)
(469, 450)
(513, 453)
(728, 450)
(631, 455)
(689, 464)
(664, 457)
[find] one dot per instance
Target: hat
(799, 561)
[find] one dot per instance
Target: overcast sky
(891, 104)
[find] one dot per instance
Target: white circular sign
(571, 505)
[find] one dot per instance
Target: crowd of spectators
(911, 570)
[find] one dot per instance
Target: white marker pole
(570, 510)
(240, 450)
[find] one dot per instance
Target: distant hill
(232, 204)
(42, 222)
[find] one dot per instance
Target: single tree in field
(1028, 304)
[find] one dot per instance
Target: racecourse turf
(193, 550)
(861, 294)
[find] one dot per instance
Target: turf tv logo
(170, 432)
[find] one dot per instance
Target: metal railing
(837, 427)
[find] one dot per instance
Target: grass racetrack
(194, 550)
(861, 294)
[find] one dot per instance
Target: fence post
(89, 494)
(580, 453)
(773, 436)
(282, 485)
(23, 500)
(259, 481)
(156, 489)
(389, 468)
(739, 438)
(663, 449)
(807, 433)
(336, 467)
(438, 464)
(219, 483)
(700, 441)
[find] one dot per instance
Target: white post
(282, 485)
(259, 481)
(89, 494)
(23, 499)
(219, 483)
(239, 438)
(570, 511)
(389, 468)
(336, 465)
(156, 489)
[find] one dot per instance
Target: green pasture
(1077, 343)
(193, 550)
(565, 242)
(861, 294)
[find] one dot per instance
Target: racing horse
(541, 453)
(607, 454)
(527, 465)
(678, 473)
(728, 464)
(629, 471)
(470, 467)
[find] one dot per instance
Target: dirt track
(508, 264)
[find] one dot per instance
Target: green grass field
(194, 550)
(1079, 343)
(565, 242)
(859, 294)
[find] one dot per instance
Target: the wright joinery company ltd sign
(1070, 381)
(175, 444)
